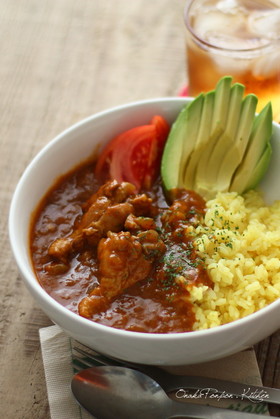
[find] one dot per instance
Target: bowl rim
(31, 280)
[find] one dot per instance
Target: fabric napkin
(57, 359)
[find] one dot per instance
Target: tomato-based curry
(117, 257)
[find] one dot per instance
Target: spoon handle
(213, 386)
(198, 411)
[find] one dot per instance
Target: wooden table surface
(62, 60)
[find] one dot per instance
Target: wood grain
(268, 356)
(62, 60)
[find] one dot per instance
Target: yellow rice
(240, 243)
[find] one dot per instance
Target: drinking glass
(240, 38)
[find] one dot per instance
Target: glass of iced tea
(240, 38)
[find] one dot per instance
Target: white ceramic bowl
(61, 154)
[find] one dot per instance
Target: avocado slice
(180, 144)
(207, 167)
(221, 103)
(201, 140)
(235, 153)
(193, 118)
(259, 169)
(257, 146)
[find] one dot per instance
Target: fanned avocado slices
(218, 143)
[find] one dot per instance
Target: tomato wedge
(162, 127)
(134, 156)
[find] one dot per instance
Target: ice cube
(265, 24)
(233, 43)
(268, 65)
(231, 65)
(221, 30)
(208, 23)
(233, 7)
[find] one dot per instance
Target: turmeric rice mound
(240, 244)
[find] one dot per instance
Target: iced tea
(240, 38)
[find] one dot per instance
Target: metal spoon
(110, 392)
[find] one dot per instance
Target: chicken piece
(113, 220)
(124, 259)
(153, 247)
(105, 210)
(121, 263)
(134, 224)
(94, 303)
(114, 191)
(143, 205)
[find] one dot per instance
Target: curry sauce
(119, 258)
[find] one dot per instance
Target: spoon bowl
(116, 392)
